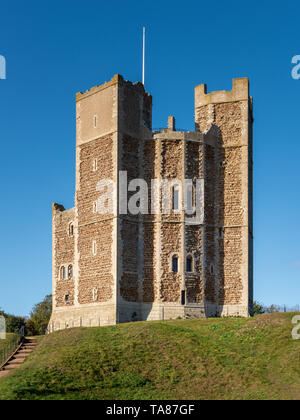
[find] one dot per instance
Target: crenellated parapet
(118, 79)
(239, 92)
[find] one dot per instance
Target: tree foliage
(13, 323)
(39, 317)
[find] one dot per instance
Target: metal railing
(11, 346)
(159, 129)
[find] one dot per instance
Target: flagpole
(144, 42)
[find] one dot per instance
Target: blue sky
(55, 48)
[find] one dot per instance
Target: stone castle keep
(111, 268)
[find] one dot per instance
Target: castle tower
(111, 120)
(229, 227)
(117, 265)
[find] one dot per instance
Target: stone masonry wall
(171, 239)
(211, 206)
(194, 281)
(171, 244)
(95, 231)
(151, 164)
(96, 280)
(226, 233)
(130, 149)
(63, 256)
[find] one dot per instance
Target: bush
(13, 323)
(258, 308)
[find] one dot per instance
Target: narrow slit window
(71, 229)
(95, 294)
(95, 165)
(94, 248)
(67, 299)
(175, 264)
(95, 121)
(211, 269)
(70, 272)
(95, 207)
(62, 273)
(221, 233)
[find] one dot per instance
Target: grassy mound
(181, 359)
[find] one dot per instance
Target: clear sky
(55, 48)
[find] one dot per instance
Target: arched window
(189, 264)
(67, 299)
(62, 273)
(175, 264)
(71, 229)
(70, 272)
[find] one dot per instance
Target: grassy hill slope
(181, 359)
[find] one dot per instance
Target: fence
(11, 346)
(280, 308)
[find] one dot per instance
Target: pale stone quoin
(115, 267)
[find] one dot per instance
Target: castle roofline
(239, 92)
(118, 79)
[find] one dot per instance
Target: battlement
(239, 92)
(118, 79)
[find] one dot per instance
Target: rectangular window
(175, 197)
(189, 199)
(189, 264)
(175, 265)
(183, 297)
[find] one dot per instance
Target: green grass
(229, 358)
